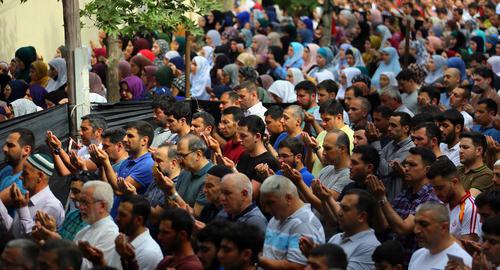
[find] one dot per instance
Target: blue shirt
(281, 138)
(307, 177)
(488, 131)
(7, 179)
(140, 169)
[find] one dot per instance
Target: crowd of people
(358, 154)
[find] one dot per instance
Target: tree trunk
(112, 74)
(188, 64)
(326, 39)
(71, 16)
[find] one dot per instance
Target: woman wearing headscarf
(54, 98)
(124, 69)
(140, 44)
(282, 92)
(24, 57)
(371, 54)
(208, 53)
(243, 18)
(354, 59)
(265, 81)
(305, 30)
(389, 62)
(179, 88)
(213, 38)
(387, 79)
(246, 60)
(421, 53)
(457, 44)
(37, 93)
(227, 78)
(339, 61)
(346, 76)
(200, 78)
(362, 31)
(294, 75)
(385, 34)
(97, 89)
(23, 106)
(164, 77)
(160, 48)
(148, 78)
(58, 72)
(14, 90)
(309, 57)
(137, 64)
(39, 74)
(178, 44)
(221, 61)
(434, 45)
(131, 88)
(259, 48)
(324, 59)
(274, 39)
(295, 52)
(177, 65)
(435, 67)
(494, 63)
(458, 63)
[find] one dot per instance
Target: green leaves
(125, 17)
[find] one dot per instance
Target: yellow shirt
(317, 166)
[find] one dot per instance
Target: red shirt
(190, 262)
(233, 150)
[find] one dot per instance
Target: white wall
(38, 23)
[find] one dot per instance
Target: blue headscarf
(179, 63)
(458, 63)
(243, 18)
(385, 33)
(438, 73)
(296, 60)
(326, 53)
(308, 22)
(392, 66)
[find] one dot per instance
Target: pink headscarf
(150, 71)
(311, 60)
(435, 43)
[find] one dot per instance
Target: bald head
(239, 182)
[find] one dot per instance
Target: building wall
(38, 23)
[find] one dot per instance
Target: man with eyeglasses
(189, 187)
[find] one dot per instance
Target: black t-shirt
(247, 164)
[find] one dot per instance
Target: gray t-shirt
(334, 179)
(163, 135)
(358, 248)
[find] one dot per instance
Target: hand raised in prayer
(225, 161)
(124, 248)
(480, 261)
(264, 169)
(321, 191)
(91, 253)
(309, 118)
(164, 182)
(77, 162)
(294, 175)
(493, 145)
(97, 155)
(310, 141)
(306, 244)
(198, 225)
(17, 196)
(397, 168)
(125, 187)
(456, 265)
(46, 220)
(375, 186)
(211, 142)
(372, 133)
(52, 141)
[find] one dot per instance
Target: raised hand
(375, 186)
(372, 133)
(52, 141)
(309, 118)
(97, 155)
(264, 169)
(164, 182)
(306, 244)
(397, 168)
(320, 190)
(126, 187)
(76, 161)
(211, 142)
(124, 248)
(17, 196)
(46, 220)
(225, 161)
(294, 175)
(91, 253)
(309, 140)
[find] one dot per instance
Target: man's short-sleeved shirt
(233, 150)
(480, 178)
(140, 169)
(190, 186)
(248, 163)
(358, 248)
(464, 218)
(335, 179)
(422, 259)
(282, 237)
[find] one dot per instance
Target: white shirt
(452, 153)
(83, 152)
(23, 221)
(257, 109)
(102, 235)
(468, 122)
(422, 259)
(464, 218)
(147, 252)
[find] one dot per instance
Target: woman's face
(208, 40)
(384, 81)
(342, 54)
(58, 53)
(386, 58)
(368, 45)
(125, 93)
(254, 45)
(12, 67)
(431, 66)
(289, 76)
(290, 51)
(321, 61)
(7, 91)
(32, 74)
(401, 49)
(144, 78)
(156, 49)
(350, 60)
(473, 45)
(130, 47)
(305, 55)
(52, 72)
(223, 76)
(135, 69)
(193, 67)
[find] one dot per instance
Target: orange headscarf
(41, 71)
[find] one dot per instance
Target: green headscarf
(182, 44)
(27, 55)
(164, 76)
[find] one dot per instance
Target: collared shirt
(423, 259)
(102, 235)
(147, 252)
(233, 150)
(155, 195)
(162, 135)
(257, 109)
(334, 179)
(251, 215)
(480, 178)
(72, 224)
(190, 185)
(464, 218)
(405, 204)
(317, 166)
(358, 248)
(392, 151)
(140, 169)
(452, 153)
(282, 237)
(488, 131)
(410, 101)
(45, 201)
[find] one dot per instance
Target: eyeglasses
(285, 156)
(87, 203)
(183, 156)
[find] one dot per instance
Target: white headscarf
(209, 55)
(494, 62)
(201, 79)
(297, 75)
(24, 106)
(392, 78)
(171, 54)
(349, 72)
(284, 90)
(324, 75)
(58, 64)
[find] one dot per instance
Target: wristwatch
(382, 202)
(315, 150)
(173, 196)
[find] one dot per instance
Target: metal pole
(188, 65)
(407, 43)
